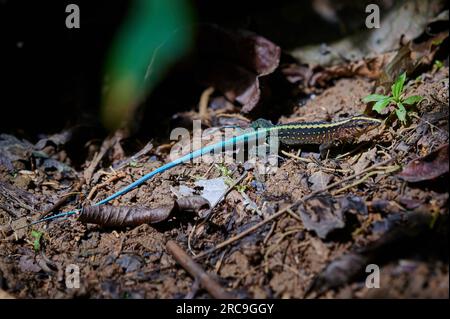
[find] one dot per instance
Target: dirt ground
(282, 259)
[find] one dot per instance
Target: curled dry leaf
(353, 204)
(322, 215)
(428, 167)
(123, 216)
(13, 150)
(409, 58)
(395, 27)
(308, 78)
(233, 61)
(245, 48)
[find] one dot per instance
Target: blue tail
(186, 158)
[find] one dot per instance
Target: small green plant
(438, 64)
(396, 97)
(37, 235)
(133, 164)
(241, 188)
(226, 173)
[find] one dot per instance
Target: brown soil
(278, 260)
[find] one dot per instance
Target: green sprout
(241, 188)
(438, 64)
(226, 173)
(133, 164)
(37, 235)
(396, 97)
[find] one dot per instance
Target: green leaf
(37, 239)
(413, 99)
(438, 64)
(153, 36)
(373, 98)
(397, 87)
(401, 112)
(381, 104)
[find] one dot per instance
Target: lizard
(323, 133)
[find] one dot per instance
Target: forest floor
(318, 249)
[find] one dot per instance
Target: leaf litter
(369, 211)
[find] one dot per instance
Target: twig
(307, 160)
(13, 194)
(74, 190)
(113, 178)
(107, 144)
(147, 148)
(294, 215)
(203, 104)
(359, 181)
(206, 281)
(242, 234)
(386, 170)
(237, 116)
(272, 228)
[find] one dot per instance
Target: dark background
(51, 76)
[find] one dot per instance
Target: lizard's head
(360, 124)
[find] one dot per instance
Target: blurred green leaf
(37, 235)
(438, 64)
(155, 34)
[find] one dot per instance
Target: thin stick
(387, 170)
(206, 281)
(76, 189)
(113, 178)
(307, 160)
(242, 234)
(203, 104)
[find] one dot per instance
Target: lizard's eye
(360, 125)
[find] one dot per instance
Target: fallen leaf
(321, 215)
(395, 27)
(353, 204)
(12, 150)
(365, 160)
(233, 61)
(213, 189)
(124, 216)
(129, 263)
(27, 264)
(398, 231)
(319, 180)
(428, 167)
